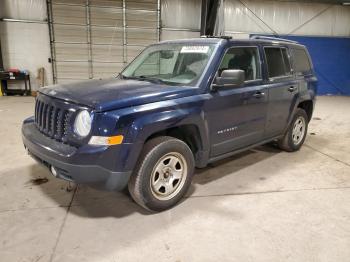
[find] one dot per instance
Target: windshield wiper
(145, 78)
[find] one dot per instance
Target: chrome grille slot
(59, 125)
(43, 118)
(40, 114)
(67, 117)
(47, 119)
(36, 111)
(65, 127)
(52, 120)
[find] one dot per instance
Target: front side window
(242, 58)
(171, 63)
(277, 62)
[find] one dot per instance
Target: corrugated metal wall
(91, 40)
(287, 17)
(97, 38)
(323, 28)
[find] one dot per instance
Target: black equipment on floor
(6, 77)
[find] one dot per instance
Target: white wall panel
(26, 46)
(286, 17)
(23, 9)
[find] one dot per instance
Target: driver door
(236, 115)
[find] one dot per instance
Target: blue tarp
(331, 59)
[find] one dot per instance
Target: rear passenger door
(283, 89)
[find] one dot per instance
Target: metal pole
(52, 41)
(204, 14)
(1, 61)
(124, 34)
(158, 19)
(88, 29)
(23, 21)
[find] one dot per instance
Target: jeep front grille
(51, 120)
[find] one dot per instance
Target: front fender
(145, 127)
(143, 121)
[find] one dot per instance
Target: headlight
(82, 123)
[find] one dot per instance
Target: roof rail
(272, 38)
(219, 36)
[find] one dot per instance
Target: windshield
(175, 64)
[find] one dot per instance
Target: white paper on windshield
(195, 49)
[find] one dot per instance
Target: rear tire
(296, 133)
(163, 173)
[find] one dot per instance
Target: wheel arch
(187, 125)
(308, 107)
(191, 135)
(188, 133)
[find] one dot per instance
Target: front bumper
(95, 165)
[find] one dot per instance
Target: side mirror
(230, 78)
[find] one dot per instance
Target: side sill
(217, 158)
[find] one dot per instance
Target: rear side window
(277, 61)
(301, 61)
(285, 56)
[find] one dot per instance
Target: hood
(109, 94)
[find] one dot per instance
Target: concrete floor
(261, 205)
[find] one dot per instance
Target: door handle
(259, 94)
(291, 88)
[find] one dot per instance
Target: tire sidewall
(147, 168)
(291, 144)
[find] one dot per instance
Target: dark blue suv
(179, 105)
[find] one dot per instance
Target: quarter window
(301, 61)
(277, 62)
(242, 58)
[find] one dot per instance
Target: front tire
(295, 135)
(163, 173)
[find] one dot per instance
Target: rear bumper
(93, 165)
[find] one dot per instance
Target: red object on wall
(13, 70)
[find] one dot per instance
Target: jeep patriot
(178, 105)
